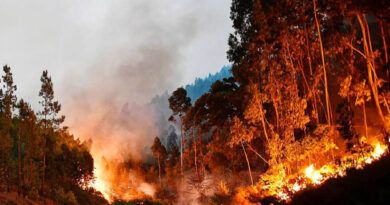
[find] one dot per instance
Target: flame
(99, 183)
(378, 151)
(115, 181)
(312, 176)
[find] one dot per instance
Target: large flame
(117, 182)
(313, 176)
(99, 183)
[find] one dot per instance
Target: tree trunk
(384, 42)
(370, 64)
(328, 110)
(247, 161)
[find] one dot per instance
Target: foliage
(203, 85)
(39, 157)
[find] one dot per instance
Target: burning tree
(294, 62)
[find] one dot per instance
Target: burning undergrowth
(122, 181)
(313, 161)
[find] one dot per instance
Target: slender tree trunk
(264, 128)
(259, 155)
(370, 64)
(384, 42)
(247, 161)
(328, 110)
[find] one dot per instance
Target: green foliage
(38, 157)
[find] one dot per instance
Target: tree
(160, 153)
(29, 147)
(8, 103)
(179, 103)
(362, 94)
(50, 110)
(328, 110)
(240, 135)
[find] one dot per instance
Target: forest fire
(315, 176)
(116, 182)
(99, 183)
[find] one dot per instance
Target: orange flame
(318, 176)
(117, 182)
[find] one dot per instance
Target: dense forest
(310, 89)
(40, 159)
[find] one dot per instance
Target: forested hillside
(308, 99)
(39, 159)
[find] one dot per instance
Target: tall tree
(48, 115)
(160, 153)
(8, 106)
(28, 146)
(179, 103)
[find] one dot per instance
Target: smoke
(110, 102)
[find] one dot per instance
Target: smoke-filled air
(266, 102)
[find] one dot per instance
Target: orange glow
(99, 183)
(310, 175)
(115, 181)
